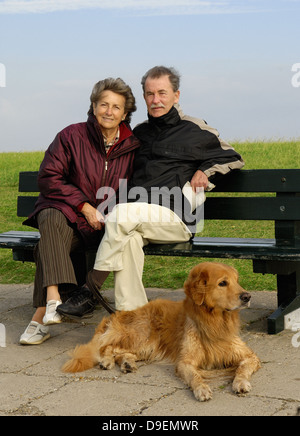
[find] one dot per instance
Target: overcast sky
(235, 58)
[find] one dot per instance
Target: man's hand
(199, 180)
(93, 216)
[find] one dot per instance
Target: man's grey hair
(159, 71)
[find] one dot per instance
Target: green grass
(165, 272)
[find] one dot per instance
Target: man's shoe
(34, 334)
(80, 305)
(94, 281)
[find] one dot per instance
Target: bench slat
(230, 248)
(225, 208)
(28, 181)
(14, 239)
(25, 205)
(252, 208)
(243, 248)
(277, 180)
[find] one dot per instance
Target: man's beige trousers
(128, 228)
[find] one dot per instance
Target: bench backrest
(282, 208)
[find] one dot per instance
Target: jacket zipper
(104, 172)
(128, 149)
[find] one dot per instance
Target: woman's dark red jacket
(76, 166)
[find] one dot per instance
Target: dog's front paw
(241, 386)
(203, 393)
(128, 367)
(106, 363)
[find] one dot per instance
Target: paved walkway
(31, 382)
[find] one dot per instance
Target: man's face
(159, 96)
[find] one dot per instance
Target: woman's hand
(93, 216)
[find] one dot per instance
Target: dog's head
(216, 286)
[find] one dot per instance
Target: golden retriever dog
(198, 334)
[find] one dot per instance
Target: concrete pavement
(31, 382)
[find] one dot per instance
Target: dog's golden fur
(198, 334)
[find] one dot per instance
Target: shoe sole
(75, 317)
(51, 322)
(24, 342)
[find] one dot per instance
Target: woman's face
(110, 110)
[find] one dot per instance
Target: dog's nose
(245, 297)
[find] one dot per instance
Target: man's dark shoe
(94, 281)
(81, 305)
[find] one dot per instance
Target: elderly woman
(83, 158)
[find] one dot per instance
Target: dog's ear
(195, 285)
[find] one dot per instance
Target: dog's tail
(88, 355)
(83, 357)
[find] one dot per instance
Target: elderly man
(176, 150)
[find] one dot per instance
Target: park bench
(280, 256)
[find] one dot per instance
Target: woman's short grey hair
(156, 72)
(117, 86)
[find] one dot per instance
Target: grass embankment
(165, 272)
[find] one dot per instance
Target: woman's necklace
(110, 140)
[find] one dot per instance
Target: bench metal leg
(288, 301)
(276, 322)
(288, 290)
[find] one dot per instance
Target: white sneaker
(34, 334)
(51, 316)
